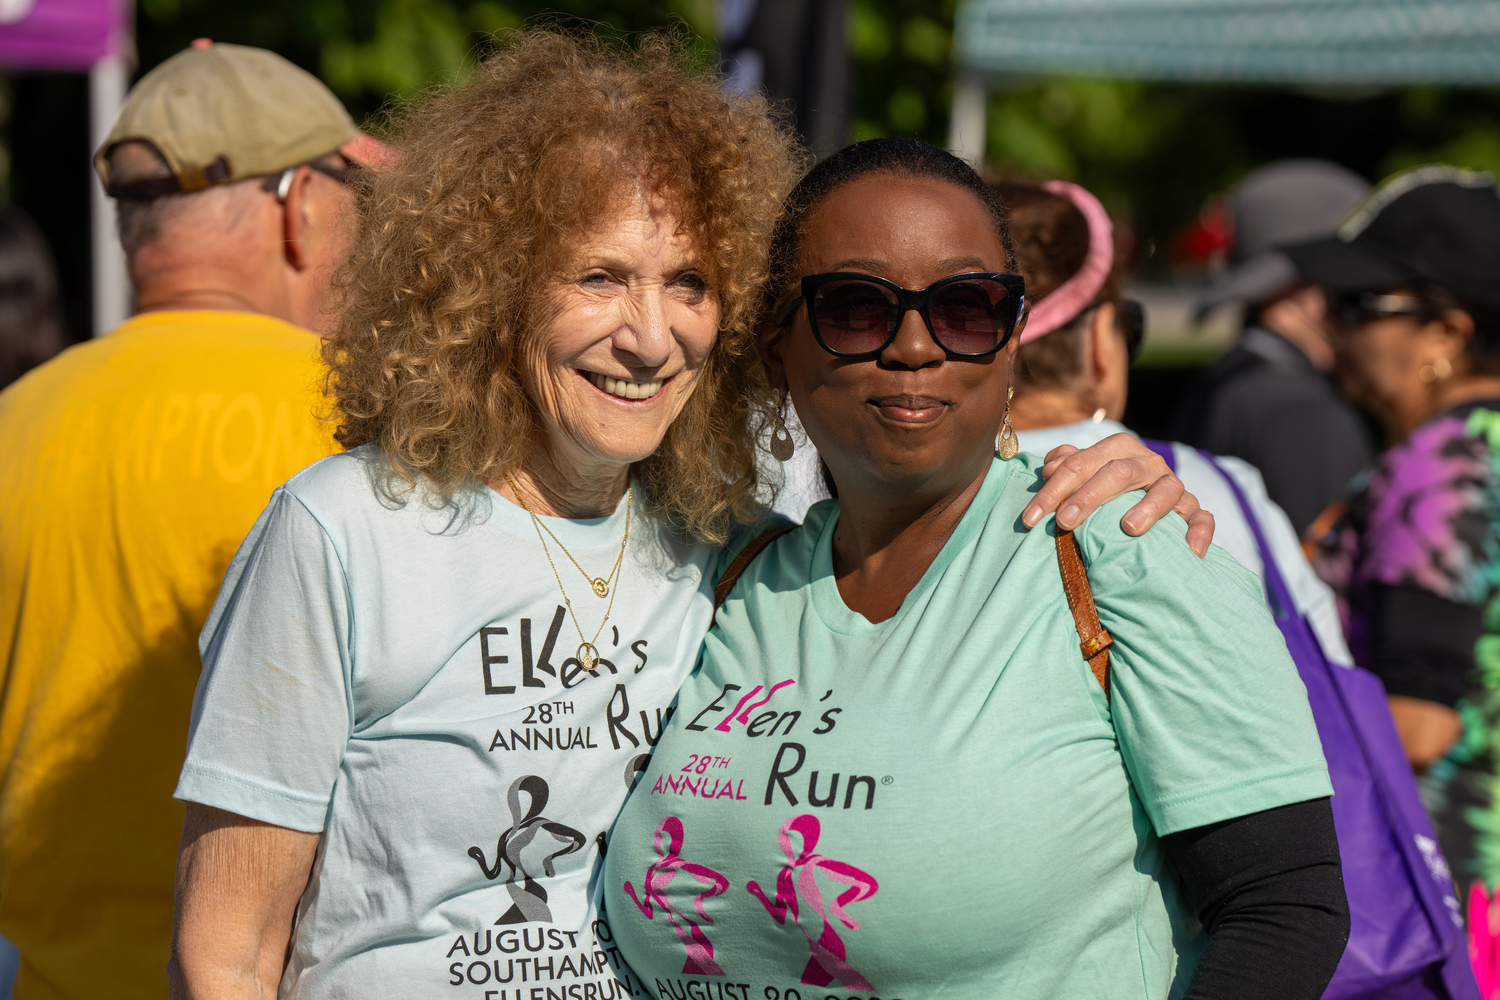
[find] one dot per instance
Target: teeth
(624, 388)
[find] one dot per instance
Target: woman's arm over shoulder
(238, 883)
(1079, 481)
(273, 712)
(1269, 890)
(1211, 716)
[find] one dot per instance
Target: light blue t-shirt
(944, 804)
(404, 681)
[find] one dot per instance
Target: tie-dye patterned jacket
(1427, 516)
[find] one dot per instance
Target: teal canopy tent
(1302, 41)
(1305, 42)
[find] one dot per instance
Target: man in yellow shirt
(131, 467)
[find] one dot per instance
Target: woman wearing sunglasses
(895, 753)
(1413, 280)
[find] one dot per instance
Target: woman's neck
(574, 493)
(1454, 392)
(1038, 408)
(888, 535)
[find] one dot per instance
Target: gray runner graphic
(529, 899)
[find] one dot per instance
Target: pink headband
(1069, 298)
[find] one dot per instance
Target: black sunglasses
(856, 316)
(1355, 309)
(280, 182)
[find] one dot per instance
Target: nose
(645, 331)
(914, 347)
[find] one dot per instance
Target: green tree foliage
(368, 50)
(902, 52)
(1154, 152)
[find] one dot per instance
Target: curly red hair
(495, 180)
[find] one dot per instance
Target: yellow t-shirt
(131, 467)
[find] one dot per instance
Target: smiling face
(621, 337)
(912, 419)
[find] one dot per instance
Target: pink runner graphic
(798, 878)
(700, 951)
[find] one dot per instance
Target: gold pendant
(782, 446)
(1010, 445)
(601, 587)
(588, 656)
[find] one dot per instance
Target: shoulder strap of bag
(1278, 594)
(1094, 640)
(741, 562)
(1164, 449)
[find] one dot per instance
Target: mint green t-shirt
(944, 804)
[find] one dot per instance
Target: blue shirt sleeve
(273, 713)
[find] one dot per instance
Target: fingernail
(1132, 526)
(1069, 515)
(1030, 516)
(1200, 549)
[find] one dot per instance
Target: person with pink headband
(1073, 380)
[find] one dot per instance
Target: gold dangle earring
(1009, 445)
(782, 447)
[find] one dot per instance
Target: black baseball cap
(1437, 225)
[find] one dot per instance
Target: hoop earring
(782, 447)
(1437, 371)
(1009, 444)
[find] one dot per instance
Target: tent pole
(112, 293)
(966, 126)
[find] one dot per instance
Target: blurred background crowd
(1211, 142)
(1162, 154)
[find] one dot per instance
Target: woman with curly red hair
(440, 659)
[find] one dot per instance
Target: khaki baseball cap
(224, 113)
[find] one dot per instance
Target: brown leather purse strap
(741, 562)
(1094, 641)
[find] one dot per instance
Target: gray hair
(141, 223)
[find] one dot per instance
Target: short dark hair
(902, 157)
(139, 222)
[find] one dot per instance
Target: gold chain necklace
(600, 584)
(588, 653)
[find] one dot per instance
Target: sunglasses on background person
(856, 316)
(1354, 309)
(281, 183)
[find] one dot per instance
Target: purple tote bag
(1406, 939)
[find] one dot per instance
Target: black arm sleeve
(1423, 644)
(1269, 889)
